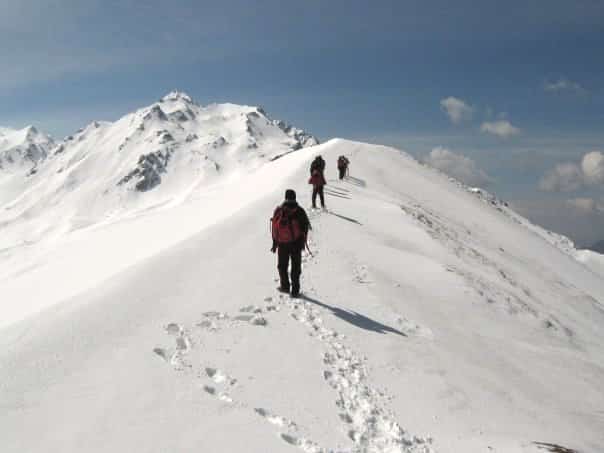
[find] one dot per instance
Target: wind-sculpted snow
(497, 286)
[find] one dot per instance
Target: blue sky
(374, 71)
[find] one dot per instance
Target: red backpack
(317, 178)
(285, 226)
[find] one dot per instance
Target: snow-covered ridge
(431, 322)
(106, 171)
(22, 150)
(560, 241)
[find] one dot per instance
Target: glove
(274, 247)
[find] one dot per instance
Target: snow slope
(593, 260)
(432, 321)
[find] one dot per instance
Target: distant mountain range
(598, 247)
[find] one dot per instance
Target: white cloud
(569, 176)
(592, 166)
(456, 109)
(501, 128)
(585, 205)
(563, 178)
(564, 85)
(460, 167)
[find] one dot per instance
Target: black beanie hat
(290, 195)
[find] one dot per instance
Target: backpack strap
(278, 210)
(290, 216)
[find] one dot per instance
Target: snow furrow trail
(217, 383)
(369, 425)
(361, 409)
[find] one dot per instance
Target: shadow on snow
(356, 181)
(356, 319)
(337, 194)
(343, 217)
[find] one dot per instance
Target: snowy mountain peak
(155, 113)
(157, 156)
(23, 149)
(30, 131)
(177, 96)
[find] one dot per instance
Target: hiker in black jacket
(317, 179)
(289, 227)
(343, 163)
(317, 164)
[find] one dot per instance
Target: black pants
(342, 171)
(318, 190)
(284, 253)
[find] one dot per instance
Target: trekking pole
(308, 249)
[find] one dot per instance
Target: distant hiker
(317, 179)
(343, 166)
(289, 228)
(317, 164)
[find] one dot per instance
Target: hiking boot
(283, 289)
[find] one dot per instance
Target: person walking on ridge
(317, 164)
(343, 166)
(317, 179)
(289, 229)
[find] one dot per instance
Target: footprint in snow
(277, 420)
(254, 319)
(162, 353)
(219, 377)
(174, 329)
(183, 343)
(304, 444)
(217, 315)
(213, 320)
(175, 356)
(361, 274)
(290, 426)
(220, 395)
